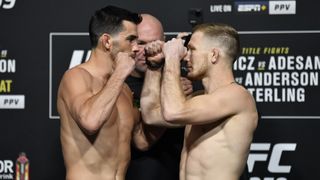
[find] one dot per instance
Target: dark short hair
(224, 34)
(109, 20)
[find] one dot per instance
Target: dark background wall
(39, 39)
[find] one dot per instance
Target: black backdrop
(39, 39)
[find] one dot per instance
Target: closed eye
(132, 38)
(139, 42)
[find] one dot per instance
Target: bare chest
(202, 135)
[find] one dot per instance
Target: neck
(217, 78)
(102, 62)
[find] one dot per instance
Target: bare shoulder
(239, 95)
(238, 99)
(243, 102)
(76, 78)
(76, 73)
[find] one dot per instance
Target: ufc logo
(77, 57)
(7, 4)
(275, 156)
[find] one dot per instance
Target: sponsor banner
(281, 74)
(5, 86)
(282, 7)
(7, 68)
(9, 100)
(6, 169)
(273, 7)
(18, 170)
(251, 7)
(221, 8)
(12, 102)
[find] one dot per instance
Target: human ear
(214, 55)
(106, 41)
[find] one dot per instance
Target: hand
(186, 86)
(185, 37)
(125, 63)
(153, 51)
(182, 34)
(174, 49)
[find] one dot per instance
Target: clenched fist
(174, 49)
(153, 51)
(125, 62)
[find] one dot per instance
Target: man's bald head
(149, 29)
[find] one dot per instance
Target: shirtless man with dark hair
(98, 119)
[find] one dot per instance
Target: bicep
(205, 109)
(75, 93)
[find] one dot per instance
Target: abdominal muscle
(104, 156)
(209, 156)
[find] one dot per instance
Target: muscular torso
(105, 155)
(211, 152)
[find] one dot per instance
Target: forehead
(196, 38)
(198, 35)
(129, 28)
(148, 33)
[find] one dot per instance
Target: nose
(187, 57)
(141, 49)
(135, 47)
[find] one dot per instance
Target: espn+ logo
(270, 156)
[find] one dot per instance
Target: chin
(194, 76)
